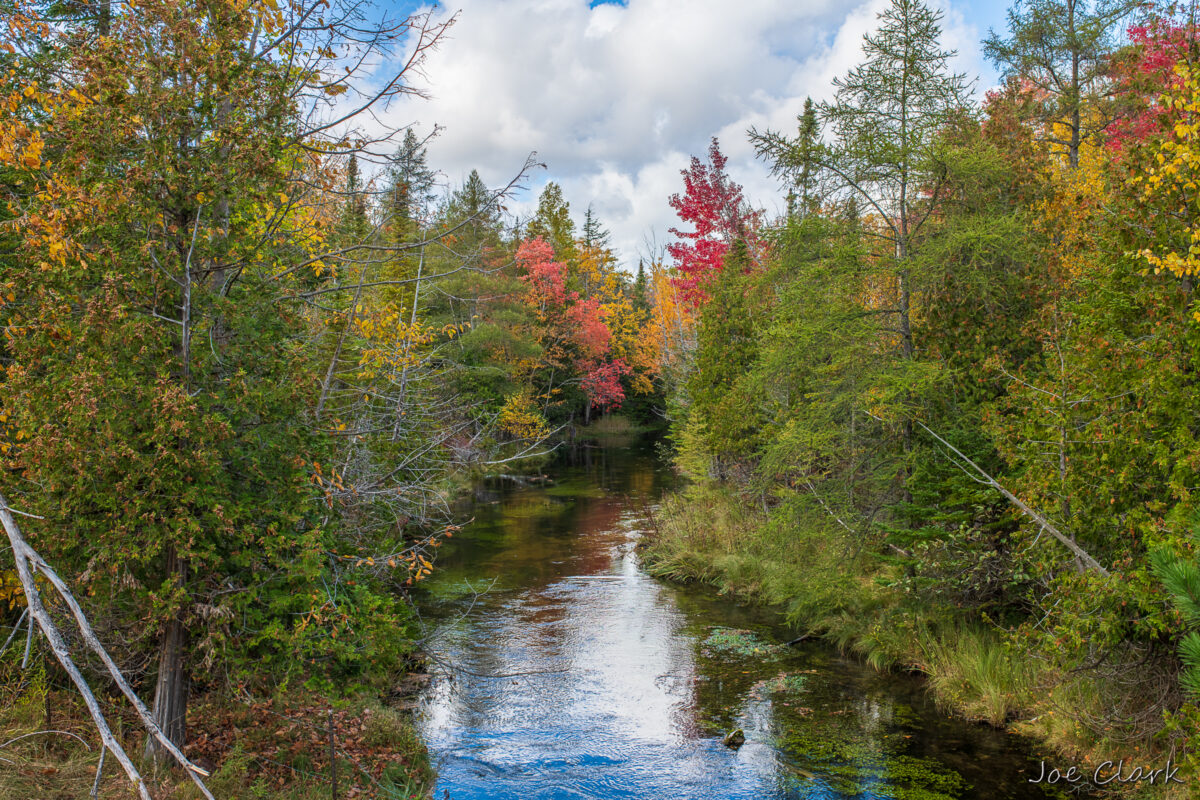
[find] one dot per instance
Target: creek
(562, 670)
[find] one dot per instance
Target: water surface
(563, 671)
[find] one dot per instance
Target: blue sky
(615, 97)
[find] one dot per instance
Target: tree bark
(171, 688)
(1076, 90)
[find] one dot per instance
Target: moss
(739, 643)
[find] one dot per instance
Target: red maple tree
(1148, 72)
(714, 206)
(544, 276)
(575, 322)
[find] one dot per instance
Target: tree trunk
(171, 688)
(1076, 90)
(907, 348)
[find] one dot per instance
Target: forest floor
(269, 748)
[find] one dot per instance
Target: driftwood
(29, 564)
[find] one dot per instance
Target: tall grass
(708, 533)
(974, 673)
(808, 569)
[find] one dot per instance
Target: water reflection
(577, 676)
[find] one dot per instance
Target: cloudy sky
(615, 97)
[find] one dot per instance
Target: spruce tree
(641, 298)
(553, 223)
(594, 233)
(411, 185)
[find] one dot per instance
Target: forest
(942, 411)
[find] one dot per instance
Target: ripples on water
(577, 676)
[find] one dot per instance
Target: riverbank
(269, 748)
(709, 533)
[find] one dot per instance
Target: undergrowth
(268, 748)
(709, 533)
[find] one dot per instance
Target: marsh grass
(974, 673)
(708, 533)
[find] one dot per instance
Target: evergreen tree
(594, 233)
(186, 232)
(799, 161)
(553, 223)
(720, 416)
(1060, 49)
(197, 508)
(886, 118)
(411, 185)
(641, 298)
(474, 204)
(354, 223)
(1181, 577)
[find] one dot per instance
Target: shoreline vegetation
(254, 345)
(943, 411)
(254, 748)
(712, 534)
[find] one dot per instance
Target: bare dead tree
(975, 472)
(28, 565)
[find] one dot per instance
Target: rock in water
(735, 739)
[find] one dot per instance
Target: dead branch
(28, 563)
(1045, 524)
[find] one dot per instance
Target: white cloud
(615, 98)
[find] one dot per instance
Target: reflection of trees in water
(624, 675)
(642, 484)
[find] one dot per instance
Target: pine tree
(1181, 577)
